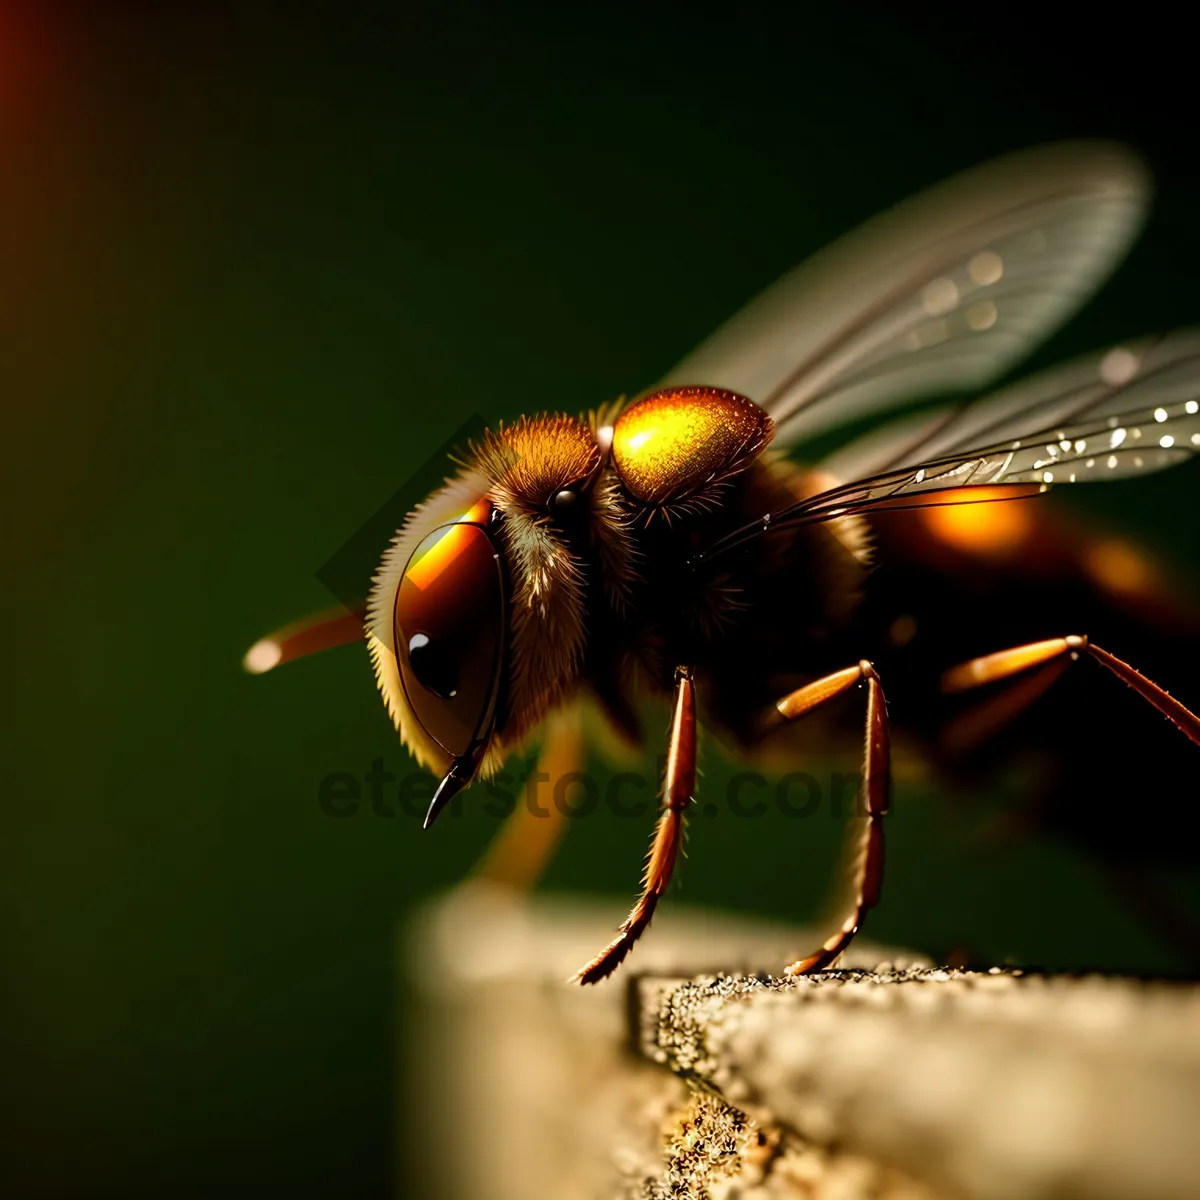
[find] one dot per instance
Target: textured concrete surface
(696, 1073)
(990, 1085)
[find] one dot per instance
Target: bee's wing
(882, 449)
(1150, 372)
(941, 294)
(1130, 411)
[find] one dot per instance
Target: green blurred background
(256, 264)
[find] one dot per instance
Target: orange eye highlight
(449, 621)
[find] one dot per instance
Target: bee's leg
(866, 871)
(993, 667)
(977, 725)
(679, 787)
(322, 631)
(526, 842)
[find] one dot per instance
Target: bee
(674, 546)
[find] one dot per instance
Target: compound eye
(449, 620)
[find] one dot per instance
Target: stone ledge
(994, 1085)
(888, 1079)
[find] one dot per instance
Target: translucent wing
(891, 445)
(942, 293)
(1149, 373)
(1131, 411)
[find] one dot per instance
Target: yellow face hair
(517, 471)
